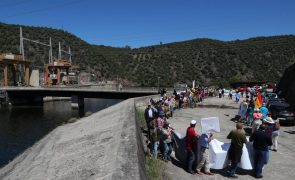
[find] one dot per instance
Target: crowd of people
(252, 113)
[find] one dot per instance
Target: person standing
(149, 115)
(238, 138)
(243, 110)
(257, 116)
(220, 93)
(238, 96)
(191, 143)
(261, 141)
(154, 137)
(264, 110)
(167, 141)
(269, 125)
(204, 141)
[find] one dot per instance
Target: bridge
(34, 95)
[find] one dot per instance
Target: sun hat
(193, 122)
(269, 120)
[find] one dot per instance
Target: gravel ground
(281, 163)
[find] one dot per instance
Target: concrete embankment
(105, 145)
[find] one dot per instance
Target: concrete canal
(22, 126)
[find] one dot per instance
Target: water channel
(22, 126)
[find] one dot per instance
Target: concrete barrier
(105, 145)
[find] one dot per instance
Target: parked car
(270, 96)
(279, 109)
(240, 89)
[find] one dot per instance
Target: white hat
(269, 120)
(193, 121)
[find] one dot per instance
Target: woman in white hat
(269, 124)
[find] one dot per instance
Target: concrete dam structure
(105, 145)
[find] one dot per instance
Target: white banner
(210, 124)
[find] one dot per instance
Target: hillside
(210, 62)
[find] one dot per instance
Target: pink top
(257, 115)
(160, 122)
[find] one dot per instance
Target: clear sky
(147, 22)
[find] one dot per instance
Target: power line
(11, 3)
(44, 9)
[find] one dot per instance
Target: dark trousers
(191, 157)
(232, 169)
(148, 127)
(259, 162)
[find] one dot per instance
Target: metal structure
(55, 70)
(22, 49)
(14, 60)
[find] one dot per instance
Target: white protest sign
(210, 124)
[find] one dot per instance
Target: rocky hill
(210, 62)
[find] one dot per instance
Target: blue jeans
(190, 160)
(155, 148)
(232, 169)
(167, 150)
(266, 155)
(259, 161)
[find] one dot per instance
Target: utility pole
(70, 55)
(59, 51)
(22, 52)
(50, 51)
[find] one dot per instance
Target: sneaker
(233, 176)
(209, 173)
(259, 177)
(274, 150)
(199, 172)
(191, 172)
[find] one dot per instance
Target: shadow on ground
(290, 132)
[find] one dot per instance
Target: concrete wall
(34, 78)
(106, 145)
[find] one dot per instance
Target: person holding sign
(204, 141)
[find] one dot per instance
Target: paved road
(281, 165)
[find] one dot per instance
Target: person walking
(261, 141)
(238, 138)
(191, 143)
(204, 141)
(275, 135)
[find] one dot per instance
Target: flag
(258, 102)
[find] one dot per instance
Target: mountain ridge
(209, 61)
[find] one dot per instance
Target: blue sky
(141, 23)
